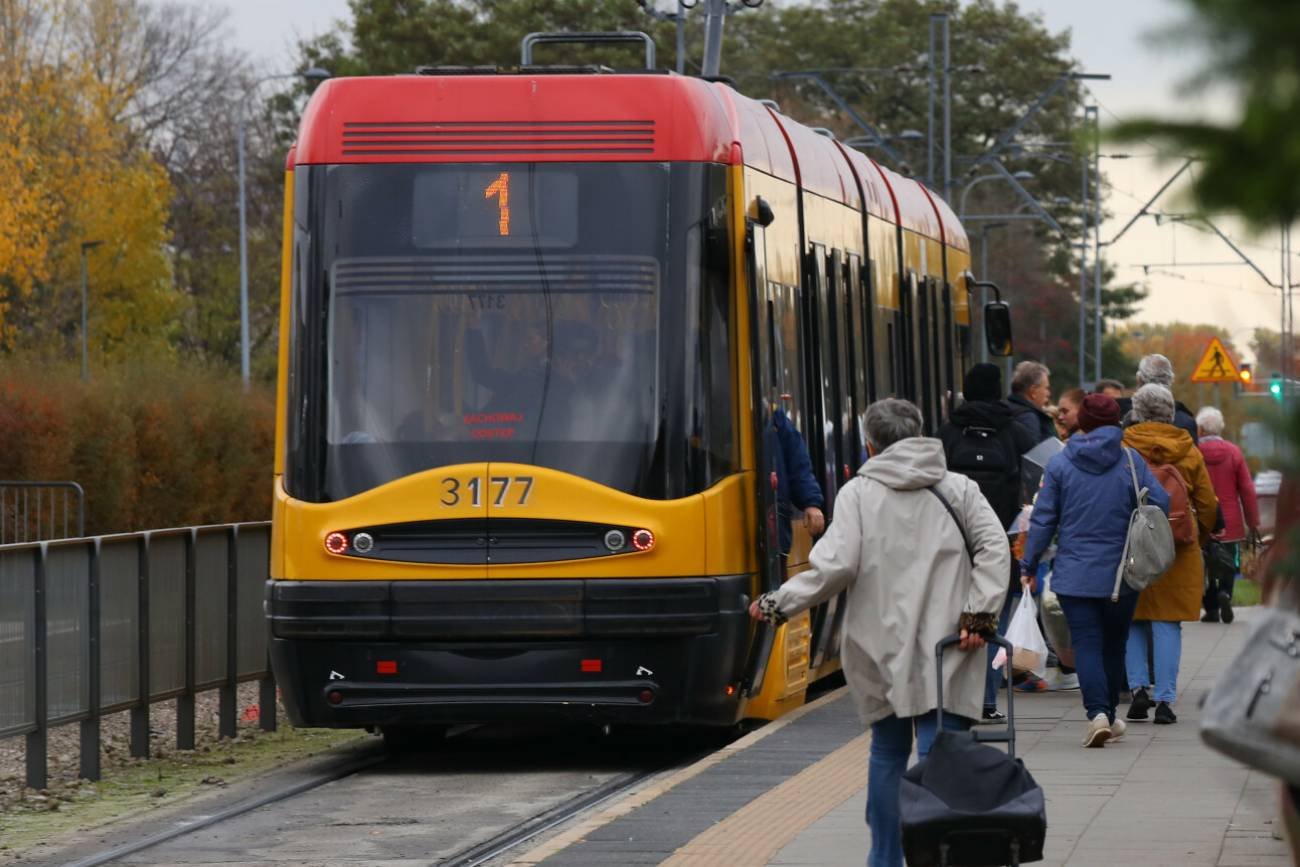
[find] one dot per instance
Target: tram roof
(545, 117)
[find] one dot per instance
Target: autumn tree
(94, 183)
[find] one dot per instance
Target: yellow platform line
(754, 834)
(657, 787)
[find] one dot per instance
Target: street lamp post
(313, 74)
(86, 246)
(1022, 175)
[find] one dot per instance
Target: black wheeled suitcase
(969, 804)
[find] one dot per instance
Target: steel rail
(516, 835)
(374, 757)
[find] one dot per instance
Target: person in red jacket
(1236, 492)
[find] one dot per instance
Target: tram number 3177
(455, 490)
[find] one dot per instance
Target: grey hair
(1156, 369)
(1153, 402)
(1028, 374)
(1210, 420)
(891, 420)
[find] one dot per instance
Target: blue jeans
(1099, 631)
(1168, 637)
(993, 677)
(891, 745)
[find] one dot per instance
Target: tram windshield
(572, 316)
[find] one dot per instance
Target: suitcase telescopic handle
(1009, 738)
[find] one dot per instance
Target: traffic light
(1247, 376)
(1275, 385)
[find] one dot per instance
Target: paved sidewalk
(793, 792)
(1157, 797)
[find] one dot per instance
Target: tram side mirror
(763, 215)
(997, 328)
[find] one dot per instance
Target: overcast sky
(1108, 36)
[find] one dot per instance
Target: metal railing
(99, 625)
(40, 511)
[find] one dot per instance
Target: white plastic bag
(1027, 639)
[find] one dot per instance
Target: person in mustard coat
(1176, 595)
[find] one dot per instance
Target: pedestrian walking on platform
(1156, 369)
(1176, 595)
(1031, 392)
(922, 555)
(1085, 503)
(1236, 492)
(982, 441)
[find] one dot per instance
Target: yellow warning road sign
(1216, 365)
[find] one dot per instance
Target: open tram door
(764, 400)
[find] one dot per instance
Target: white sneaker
(1063, 681)
(1117, 729)
(1099, 731)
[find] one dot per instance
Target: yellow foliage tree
(86, 178)
(27, 221)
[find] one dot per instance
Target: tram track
(372, 757)
(530, 828)
(535, 819)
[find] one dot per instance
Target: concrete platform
(793, 793)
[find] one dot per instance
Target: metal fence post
(140, 713)
(185, 701)
(266, 694)
(37, 777)
(266, 699)
(228, 696)
(90, 725)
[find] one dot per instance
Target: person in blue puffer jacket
(1085, 502)
(796, 486)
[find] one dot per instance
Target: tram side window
(789, 368)
(708, 312)
(893, 359)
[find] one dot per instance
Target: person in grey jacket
(915, 572)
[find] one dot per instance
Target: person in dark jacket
(1158, 370)
(1031, 391)
(1085, 503)
(796, 486)
(983, 427)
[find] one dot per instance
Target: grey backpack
(1149, 545)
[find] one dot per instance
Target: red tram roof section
(502, 118)
(594, 118)
(880, 202)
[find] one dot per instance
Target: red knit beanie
(1097, 410)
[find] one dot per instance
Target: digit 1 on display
(501, 189)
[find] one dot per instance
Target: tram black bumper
(651, 651)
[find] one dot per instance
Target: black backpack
(988, 457)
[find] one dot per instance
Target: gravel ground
(64, 750)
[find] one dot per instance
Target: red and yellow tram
(533, 325)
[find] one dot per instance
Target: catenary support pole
(1083, 274)
(1096, 240)
(934, 84)
(947, 114)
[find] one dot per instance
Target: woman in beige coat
(913, 576)
(1176, 595)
